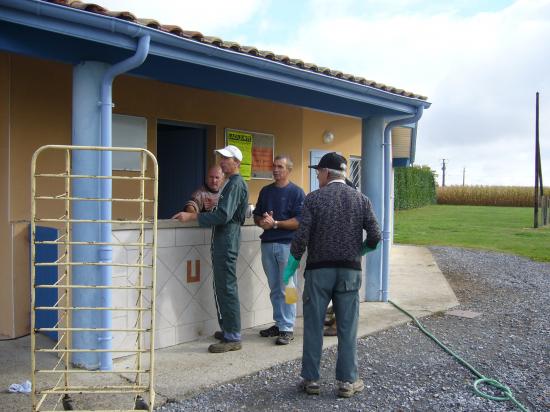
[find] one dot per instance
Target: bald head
(214, 178)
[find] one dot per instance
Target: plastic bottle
(291, 294)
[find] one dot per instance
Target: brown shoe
(218, 335)
(224, 346)
(330, 331)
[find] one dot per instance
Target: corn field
(487, 195)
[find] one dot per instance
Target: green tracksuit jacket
(226, 223)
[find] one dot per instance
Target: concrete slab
(416, 284)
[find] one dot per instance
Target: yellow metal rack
(58, 384)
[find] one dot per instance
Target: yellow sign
(243, 141)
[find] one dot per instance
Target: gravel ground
(404, 370)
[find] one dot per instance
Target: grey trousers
(342, 287)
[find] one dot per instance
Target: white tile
(193, 313)
(210, 326)
(249, 289)
(247, 233)
(163, 275)
(189, 332)
(172, 300)
(126, 236)
(190, 236)
(205, 297)
(262, 301)
(247, 319)
(249, 251)
(165, 237)
(165, 337)
(173, 256)
(263, 316)
(205, 270)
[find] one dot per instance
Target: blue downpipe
(386, 233)
(106, 251)
(372, 186)
(87, 77)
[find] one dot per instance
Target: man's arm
(289, 224)
(227, 205)
(370, 224)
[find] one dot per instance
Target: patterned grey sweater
(331, 228)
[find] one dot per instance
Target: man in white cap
(226, 221)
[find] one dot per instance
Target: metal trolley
(58, 383)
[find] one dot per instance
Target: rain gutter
(105, 190)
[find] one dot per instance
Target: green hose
(482, 379)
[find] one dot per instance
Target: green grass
(502, 229)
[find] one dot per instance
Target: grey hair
(336, 174)
(289, 162)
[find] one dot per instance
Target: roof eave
(122, 34)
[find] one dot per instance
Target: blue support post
(87, 78)
(372, 184)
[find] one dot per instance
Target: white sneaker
(347, 389)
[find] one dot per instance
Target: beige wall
(161, 101)
(6, 281)
(36, 101)
(347, 137)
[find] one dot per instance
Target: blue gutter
(115, 32)
(387, 201)
(106, 251)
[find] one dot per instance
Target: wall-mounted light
(328, 137)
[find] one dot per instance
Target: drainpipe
(412, 153)
(106, 251)
(387, 190)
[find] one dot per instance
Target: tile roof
(223, 44)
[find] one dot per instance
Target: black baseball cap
(332, 161)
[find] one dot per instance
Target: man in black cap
(333, 220)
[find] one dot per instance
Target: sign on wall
(257, 151)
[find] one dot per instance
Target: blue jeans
(274, 259)
(342, 286)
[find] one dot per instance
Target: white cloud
(208, 16)
(480, 72)
(479, 69)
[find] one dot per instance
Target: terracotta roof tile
(217, 42)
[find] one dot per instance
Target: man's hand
(185, 216)
(365, 249)
(290, 268)
(209, 203)
(268, 221)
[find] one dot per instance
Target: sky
(479, 62)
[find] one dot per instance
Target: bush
(414, 187)
(486, 195)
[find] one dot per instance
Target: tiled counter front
(185, 300)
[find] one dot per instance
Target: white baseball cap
(231, 151)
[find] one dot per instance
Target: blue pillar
(372, 185)
(87, 78)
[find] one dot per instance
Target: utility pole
(443, 167)
(463, 176)
(537, 165)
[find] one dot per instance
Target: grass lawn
(503, 229)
